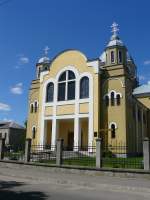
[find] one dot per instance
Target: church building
(79, 99)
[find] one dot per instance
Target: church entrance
(66, 132)
(70, 140)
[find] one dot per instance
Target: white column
(90, 134)
(77, 133)
(45, 133)
(54, 132)
(42, 136)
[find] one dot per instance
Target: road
(36, 184)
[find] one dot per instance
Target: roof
(43, 60)
(115, 41)
(143, 89)
(10, 124)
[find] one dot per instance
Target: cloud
(142, 78)
(147, 62)
(7, 120)
(23, 60)
(5, 107)
(17, 89)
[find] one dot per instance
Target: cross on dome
(115, 28)
(46, 49)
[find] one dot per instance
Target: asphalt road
(23, 184)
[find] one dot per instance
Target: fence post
(2, 148)
(59, 151)
(146, 153)
(27, 150)
(98, 152)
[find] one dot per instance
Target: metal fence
(13, 152)
(85, 156)
(121, 156)
(43, 154)
(114, 155)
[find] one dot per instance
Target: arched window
(50, 92)
(107, 100)
(31, 108)
(113, 131)
(120, 57)
(66, 86)
(35, 106)
(84, 87)
(112, 57)
(33, 132)
(112, 98)
(118, 99)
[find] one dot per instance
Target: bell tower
(115, 50)
(43, 63)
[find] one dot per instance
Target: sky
(27, 26)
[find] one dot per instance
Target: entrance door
(70, 140)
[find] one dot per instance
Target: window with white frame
(112, 56)
(113, 127)
(113, 97)
(33, 132)
(50, 92)
(118, 99)
(84, 87)
(31, 108)
(120, 56)
(66, 86)
(35, 106)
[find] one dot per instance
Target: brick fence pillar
(99, 153)
(27, 150)
(146, 153)
(59, 152)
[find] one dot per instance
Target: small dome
(115, 41)
(43, 60)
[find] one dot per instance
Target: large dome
(43, 60)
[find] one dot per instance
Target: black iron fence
(114, 155)
(43, 154)
(120, 156)
(85, 156)
(14, 152)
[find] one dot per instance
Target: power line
(2, 3)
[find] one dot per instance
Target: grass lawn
(132, 163)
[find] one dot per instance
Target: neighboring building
(13, 133)
(79, 99)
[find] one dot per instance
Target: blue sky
(27, 26)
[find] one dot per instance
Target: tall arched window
(50, 92)
(118, 99)
(112, 56)
(35, 106)
(33, 132)
(84, 87)
(66, 86)
(31, 108)
(113, 131)
(112, 98)
(120, 57)
(107, 100)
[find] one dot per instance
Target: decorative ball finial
(46, 49)
(115, 29)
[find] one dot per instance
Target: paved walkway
(21, 183)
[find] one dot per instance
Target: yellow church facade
(79, 100)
